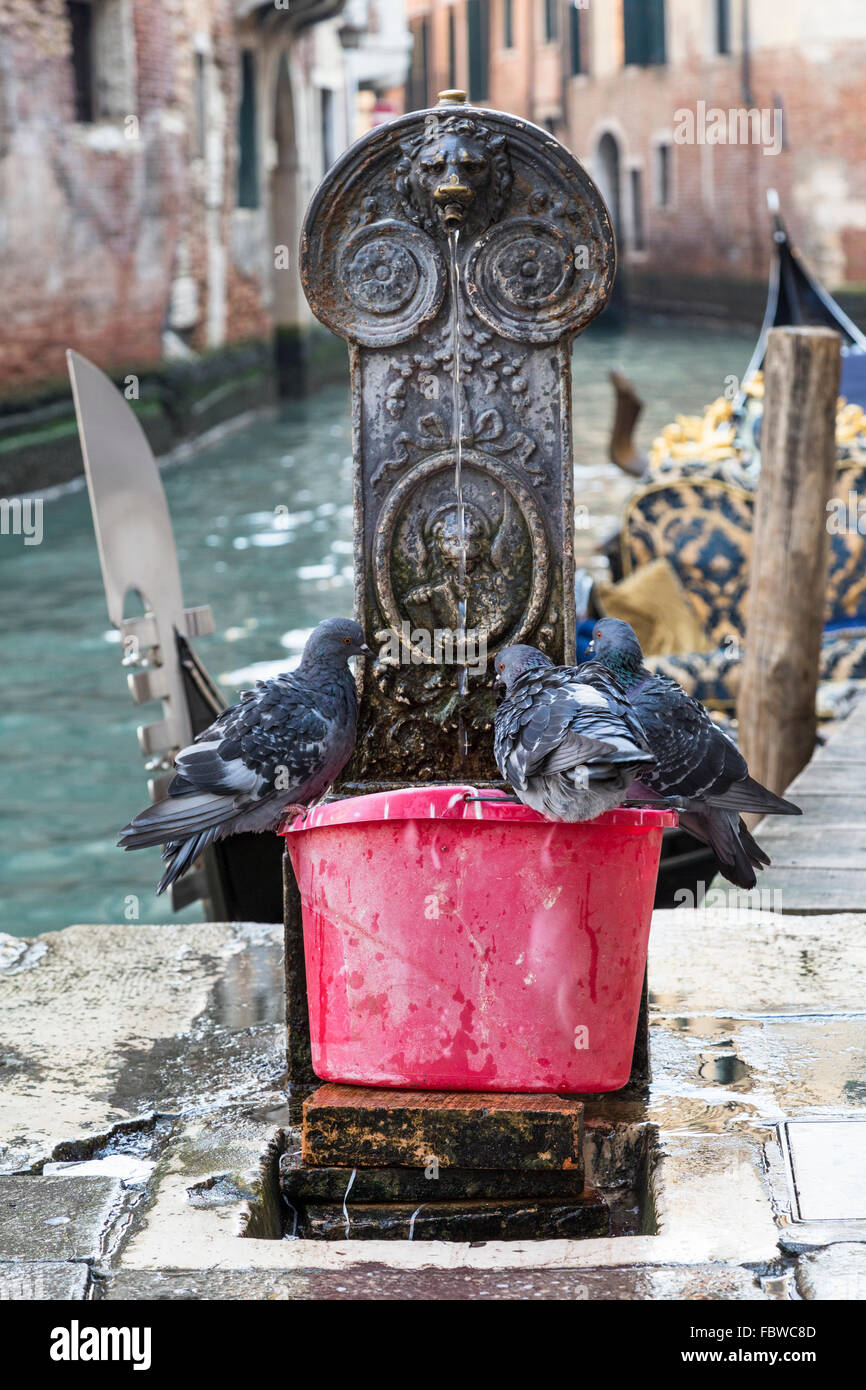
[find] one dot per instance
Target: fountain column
(487, 377)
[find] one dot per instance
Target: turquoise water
(70, 770)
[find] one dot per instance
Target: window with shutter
(478, 42)
(248, 143)
(644, 28)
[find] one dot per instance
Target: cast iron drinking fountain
(458, 251)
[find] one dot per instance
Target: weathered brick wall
(716, 224)
(92, 221)
(812, 61)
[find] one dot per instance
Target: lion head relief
(454, 174)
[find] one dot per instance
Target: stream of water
(457, 431)
(263, 522)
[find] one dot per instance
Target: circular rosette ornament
(527, 282)
(390, 279)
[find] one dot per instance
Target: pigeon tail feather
(751, 846)
(749, 795)
(183, 856)
(176, 818)
(729, 839)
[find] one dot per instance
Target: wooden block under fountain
(435, 1165)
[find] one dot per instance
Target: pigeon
(566, 738)
(283, 745)
(696, 764)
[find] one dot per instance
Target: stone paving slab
(56, 1218)
(381, 1283)
(839, 1272)
(804, 1237)
(99, 1025)
(756, 1069)
(739, 961)
(48, 1280)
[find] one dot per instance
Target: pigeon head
(615, 645)
(333, 642)
(513, 662)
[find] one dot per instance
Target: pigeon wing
(554, 721)
(275, 728)
(618, 700)
(694, 759)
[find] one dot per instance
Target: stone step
(361, 1126)
(512, 1219)
(331, 1184)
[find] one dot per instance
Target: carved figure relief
(416, 560)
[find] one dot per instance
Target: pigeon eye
(347, 641)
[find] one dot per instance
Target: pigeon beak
(365, 650)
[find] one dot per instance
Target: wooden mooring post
(790, 550)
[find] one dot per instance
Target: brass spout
(453, 193)
(453, 199)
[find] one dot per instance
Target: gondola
(794, 297)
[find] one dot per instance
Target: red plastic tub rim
(456, 802)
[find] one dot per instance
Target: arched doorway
(284, 234)
(609, 177)
(608, 160)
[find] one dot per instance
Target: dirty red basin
(458, 944)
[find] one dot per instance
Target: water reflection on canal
(263, 522)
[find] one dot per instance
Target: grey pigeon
(565, 737)
(283, 745)
(696, 764)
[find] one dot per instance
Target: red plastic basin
(457, 944)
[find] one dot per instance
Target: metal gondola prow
(137, 554)
(795, 296)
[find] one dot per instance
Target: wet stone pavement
(143, 1118)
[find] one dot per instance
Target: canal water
(263, 522)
